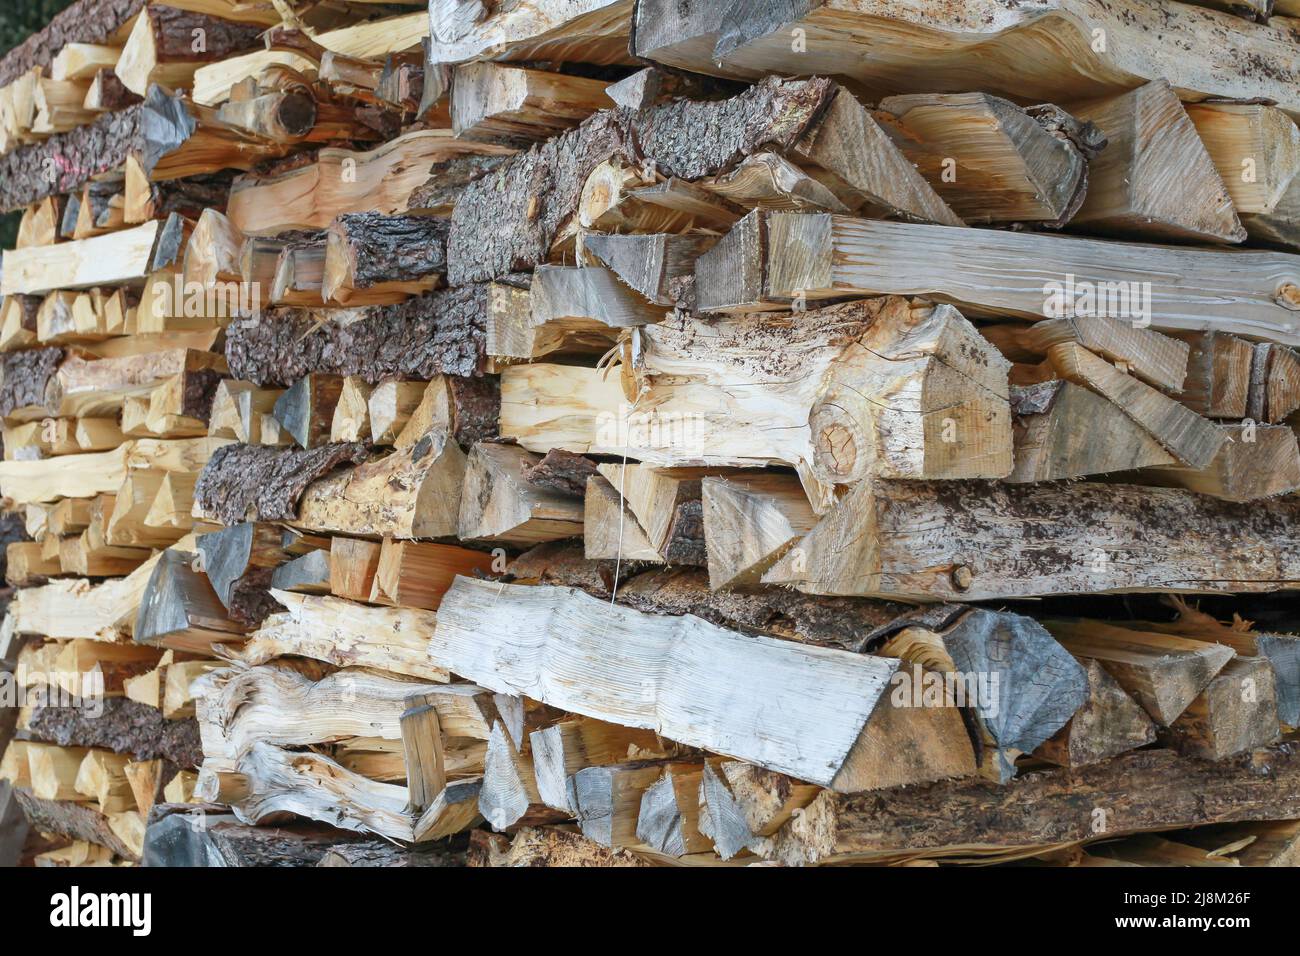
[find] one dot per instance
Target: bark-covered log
(507, 220)
(365, 249)
(87, 21)
(126, 727)
(12, 528)
(183, 835)
(63, 162)
(264, 483)
(1143, 790)
(77, 821)
(25, 377)
(447, 180)
(475, 408)
(561, 471)
(846, 623)
(443, 333)
(382, 853)
(13, 827)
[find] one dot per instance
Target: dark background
(19, 19)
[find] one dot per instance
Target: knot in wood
(962, 577)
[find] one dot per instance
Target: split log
(509, 797)
(1256, 461)
(546, 846)
(589, 31)
(1135, 792)
(1109, 723)
(609, 528)
(813, 257)
(1063, 430)
(164, 47)
(1218, 374)
(563, 472)
(87, 21)
(197, 836)
(351, 421)
(608, 801)
(1154, 179)
(666, 504)
(306, 410)
(845, 758)
(494, 232)
(119, 258)
(1164, 673)
(353, 563)
(77, 821)
(390, 407)
(561, 750)
(1192, 440)
(878, 386)
(1274, 391)
(649, 265)
(414, 493)
(239, 562)
(1236, 711)
(306, 574)
(345, 634)
(750, 521)
(341, 181)
(373, 853)
(669, 817)
(442, 333)
(578, 311)
(278, 705)
(498, 505)
(1066, 540)
(740, 805)
(990, 160)
(1256, 149)
(418, 574)
(259, 483)
(512, 105)
(401, 254)
(180, 610)
(1021, 685)
(1015, 52)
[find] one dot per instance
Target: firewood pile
(589, 433)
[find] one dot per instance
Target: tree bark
(25, 378)
(182, 835)
(78, 821)
(126, 727)
(264, 483)
(443, 333)
(366, 249)
(88, 21)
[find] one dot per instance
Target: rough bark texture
(125, 727)
(392, 248)
(443, 333)
(447, 180)
(25, 376)
(88, 21)
(507, 220)
(846, 623)
(173, 32)
(250, 599)
(12, 528)
(476, 408)
(1144, 790)
(382, 853)
(561, 471)
(77, 821)
(264, 483)
(63, 162)
(183, 835)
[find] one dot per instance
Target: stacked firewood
(582, 433)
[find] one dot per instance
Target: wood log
(342, 181)
(498, 505)
(990, 160)
(180, 610)
(867, 373)
(509, 797)
(1236, 712)
(561, 471)
(345, 634)
(590, 31)
(1272, 395)
(351, 421)
(1135, 792)
(123, 257)
(610, 531)
(1155, 179)
(418, 574)
(164, 48)
(1192, 440)
(569, 310)
(239, 562)
(87, 21)
(1109, 723)
(608, 801)
(1255, 462)
(1164, 673)
(200, 836)
(400, 254)
(74, 820)
(414, 493)
(437, 334)
(666, 505)
(649, 265)
(561, 750)
(306, 409)
(1218, 374)
(125, 727)
(814, 257)
(390, 407)
(750, 521)
(1078, 547)
(1014, 52)
(353, 563)
(306, 574)
(1256, 149)
(507, 104)
(259, 483)
(845, 729)
(1063, 430)
(669, 818)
